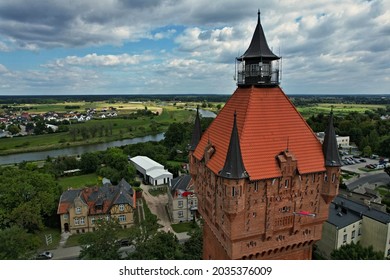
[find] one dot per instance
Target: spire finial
(258, 15)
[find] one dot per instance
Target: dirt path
(157, 205)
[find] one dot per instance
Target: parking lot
(354, 164)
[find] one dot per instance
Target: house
(182, 201)
(79, 209)
(152, 172)
(342, 141)
(350, 221)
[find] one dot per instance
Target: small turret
(234, 166)
(196, 133)
(332, 163)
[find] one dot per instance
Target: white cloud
(102, 60)
(326, 44)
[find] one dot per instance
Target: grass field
(121, 129)
(79, 181)
(339, 109)
(121, 107)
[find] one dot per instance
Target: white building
(342, 141)
(152, 172)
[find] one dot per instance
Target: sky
(77, 47)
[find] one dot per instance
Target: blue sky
(186, 47)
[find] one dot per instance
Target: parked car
(362, 160)
(45, 256)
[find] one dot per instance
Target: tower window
(286, 183)
(333, 177)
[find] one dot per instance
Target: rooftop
(267, 124)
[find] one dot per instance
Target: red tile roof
(267, 124)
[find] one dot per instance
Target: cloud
(326, 45)
(102, 60)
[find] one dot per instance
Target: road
(373, 179)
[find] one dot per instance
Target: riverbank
(95, 132)
(74, 151)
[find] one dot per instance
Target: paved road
(372, 179)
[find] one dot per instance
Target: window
(180, 203)
(360, 231)
(345, 238)
(82, 221)
(121, 207)
(286, 182)
(93, 221)
(233, 191)
(333, 177)
(181, 214)
(78, 210)
(76, 221)
(326, 177)
(66, 217)
(122, 218)
(353, 234)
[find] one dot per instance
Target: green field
(80, 181)
(121, 129)
(339, 109)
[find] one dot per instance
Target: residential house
(80, 209)
(350, 221)
(152, 172)
(182, 201)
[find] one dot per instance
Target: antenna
(281, 65)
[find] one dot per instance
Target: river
(79, 150)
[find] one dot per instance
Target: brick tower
(262, 178)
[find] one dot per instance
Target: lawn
(80, 181)
(183, 227)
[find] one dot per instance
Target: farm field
(121, 129)
(339, 109)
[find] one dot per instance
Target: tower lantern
(258, 65)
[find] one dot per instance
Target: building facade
(80, 209)
(182, 201)
(350, 221)
(263, 180)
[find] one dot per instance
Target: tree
(356, 252)
(193, 247)
(27, 198)
(17, 244)
(161, 246)
(89, 162)
(101, 244)
(13, 129)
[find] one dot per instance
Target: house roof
(353, 212)
(181, 185)
(105, 196)
(267, 124)
(146, 163)
(157, 173)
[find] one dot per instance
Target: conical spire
(329, 147)
(196, 133)
(234, 166)
(258, 46)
